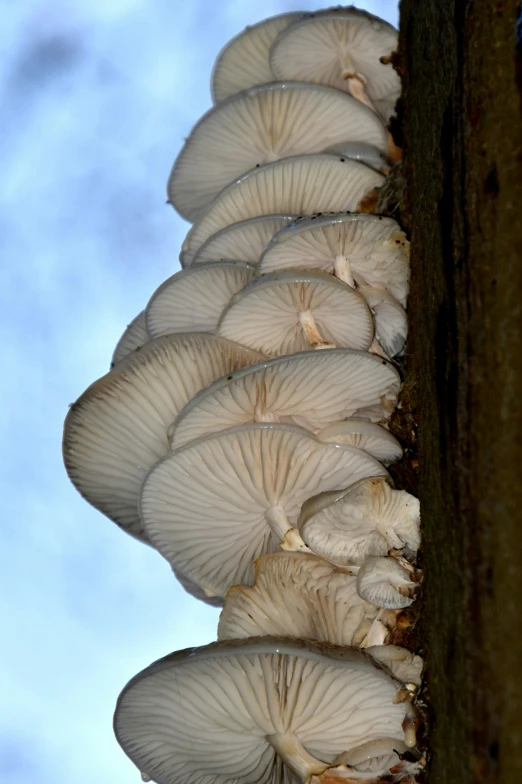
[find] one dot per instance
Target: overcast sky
(96, 98)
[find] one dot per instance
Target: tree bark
(462, 126)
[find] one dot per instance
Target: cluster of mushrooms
(242, 430)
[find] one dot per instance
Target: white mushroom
(374, 439)
(301, 185)
(342, 48)
(386, 583)
(135, 336)
(363, 152)
(212, 507)
(242, 241)
(117, 429)
(376, 762)
(263, 124)
(243, 62)
(308, 389)
(391, 323)
(368, 250)
(245, 710)
(369, 518)
(192, 300)
(295, 310)
(404, 665)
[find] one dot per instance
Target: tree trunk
(462, 128)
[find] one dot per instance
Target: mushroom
(263, 124)
(368, 518)
(298, 595)
(117, 429)
(135, 336)
(308, 389)
(391, 323)
(192, 300)
(361, 250)
(242, 241)
(295, 310)
(362, 152)
(343, 48)
(374, 439)
(377, 762)
(404, 665)
(386, 582)
(216, 504)
(256, 710)
(300, 185)
(243, 62)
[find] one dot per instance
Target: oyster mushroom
(374, 439)
(263, 124)
(245, 710)
(391, 322)
(386, 583)
(135, 336)
(308, 389)
(242, 241)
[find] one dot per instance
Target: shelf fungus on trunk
(268, 710)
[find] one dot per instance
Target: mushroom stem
(290, 538)
(343, 270)
(311, 331)
(356, 86)
(295, 756)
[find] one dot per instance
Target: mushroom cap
(242, 241)
(299, 185)
(297, 595)
(243, 62)
(194, 590)
(362, 249)
(362, 152)
(374, 439)
(385, 582)
(263, 124)
(192, 300)
(391, 322)
(369, 518)
(117, 429)
(135, 336)
(308, 389)
(213, 506)
(333, 46)
(220, 713)
(295, 310)
(404, 665)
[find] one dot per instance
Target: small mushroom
(385, 582)
(263, 124)
(300, 185)
(255, 710)
(307, 389)
(135, 336)
(242, 241)
(374, 439)
(404, 665)
(192, 300)
(295, 310)
(362, 152)
(391, 322)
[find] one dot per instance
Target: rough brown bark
(463, 171)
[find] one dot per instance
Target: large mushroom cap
(369, 518)
(295, 310)
(223, 712)
(117, 429)
(134, 336)
(242, 241)
(308, 389)
(216, 504)
(342, 48)
(374, 439)
(362, 250)
(260, 125)
(300, 185)
(192, 300)
(297, 595)
(243, 62)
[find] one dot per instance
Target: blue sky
(96, 98)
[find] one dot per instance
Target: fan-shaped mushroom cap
(363, 152)
(117, 429)
(308, 389)
(263, 124)
(135, 336)
(386, 583)
(295, 310)
(374, 439)
(243, 62)
(300, 185)
(223, 712)
(405, 666)
(369, 518)
(192, 300)
(391, 322)
(194, 590)
(360, 249)
(242, 241)
(298, 595)
(342, 48)
(216, 504)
